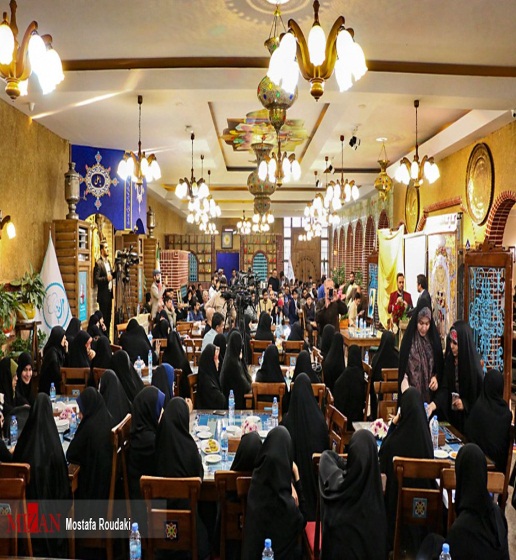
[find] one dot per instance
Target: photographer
(103, 276)
(220, 301)
(330, 307)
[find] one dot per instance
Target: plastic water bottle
(52, 393)
(224, 444)
(231, 407)
(138, 366)
(425, 404)
(434, 428)
(366, 357)
(149, 363)
(260, 359)
(275, 412)
(13, 430)
(150, 337)
(267, 551)
(135, 543)
(73, 424)
(445, 554)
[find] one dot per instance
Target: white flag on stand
(56, 309)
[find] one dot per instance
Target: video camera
(124, 260)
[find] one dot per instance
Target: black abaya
(220, 341)
(271, 510)
(387, 356)
(307, 427)
(263, 331)
(480, 529)
(327, 339)
(40, 446)
(24, 392)
(350, 388)
(130, 380)
(114, 396)
(73, 329)
(103, 353)
(247, 452)
(270, 370)
(354, 523)
(304, 365)
(489, 421)
(136, 343)
(333, 365)
(53, 360)
(234, 374)
(209, 391)
(77, 353)
(163, 379)
(175, 355)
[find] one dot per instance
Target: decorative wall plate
(411, 208)
(227, 240)
(480, 183)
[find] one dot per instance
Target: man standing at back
(103, 275)
(274, 281)
(400, 297)
(156, 291)
(330, 307)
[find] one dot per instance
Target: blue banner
(104, 192)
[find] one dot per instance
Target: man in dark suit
(103, 276)
(400, 296)
(422, 288)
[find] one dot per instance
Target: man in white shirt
(156, 292)
(217, 327)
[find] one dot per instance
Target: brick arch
(358, 255)
(383, 220)
(348, 258)
(335, 250)
(370, 237)
(498, 215)
(342, 246)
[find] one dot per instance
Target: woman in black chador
(354, 524)
(209, 390)
(234, 374)
(129, 379)
(114, 396)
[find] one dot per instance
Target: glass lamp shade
(144, 166)
(359, 67)
(354, 192)
(402, 174)
(181, 189)
(6, 43)
(270, 219)
(23, 87)
(55, 67)
(37, 54)
(156, 170)
(11, 230)
(190, 218)
(262, 170)
(296, 170)
(204, 191)
(317, 44)
(431, 171)
(122, 169)
(414, 170)
(129, 167)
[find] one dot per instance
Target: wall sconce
(151, 222)
(9, 226)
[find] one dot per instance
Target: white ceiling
(159, 43)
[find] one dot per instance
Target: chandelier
(262, 222)
(209, 228)
(279, 168)
(35, 54)
(312, 226)
(138, 167)
(339, 192)
(193, 189)
(244, 225)
(417, 171)
(383, 183)
(317, 58)
(202, 210)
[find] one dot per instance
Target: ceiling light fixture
(279, 168)
(244, 225)
(138, 167)
(417, 171)
(317, 58)
(383, 183)
(34, 54)
(9, 226)
(192, 188)
(262, 222)
(339, 192)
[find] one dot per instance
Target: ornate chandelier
(34, 54)
(417, 171)
(244, 225)
(279, 168)
(383, 183)
(202, 210)
(339, 192)
(262, 222)
(138, 167)
(317, 58)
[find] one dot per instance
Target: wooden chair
(74, 380)
(193, 350)
(369, 372)
(329, 402)
(257, 349)
(243, 485)
(495, 485)
(319, 391)
(97, 375)
(184, 327)
(418, 506)
(122, 442)
(388, 405)
(270, 390)
(337, 434)
(171, 529)
(292, 349)
(12, 494)
(231, 515)
(178, 374)
(390, 374)
(504, 495)
(192, 381)
(115, 348)
(120, 329)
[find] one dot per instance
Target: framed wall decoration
(480, 183)
(227, 240)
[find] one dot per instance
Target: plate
(59, 406)
(232, 429)
(452, 455)
(440, 454)
(263, 433)
(62, 425)
(211, 446)
(213, 458)
(254, 419)
(204, 435)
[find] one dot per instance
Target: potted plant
(31, 294)
(9, 305)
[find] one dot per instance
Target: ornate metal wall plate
(480, 183)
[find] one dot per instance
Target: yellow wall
(167, 221)
(33, 163)
(452, 183)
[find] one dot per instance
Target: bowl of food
(211, 446)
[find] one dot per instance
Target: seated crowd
(357, 512)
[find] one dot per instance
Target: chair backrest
(329, 401)
(120, 438)
(192, 382)
(243, 485)
(178, 374)
(97, 375)
(231, 514)
(115, 348)
(293, 346)
(369, 372)
(15, 470)
(73, 380)
(171, 529)
(495, 485)
(337, 430)
(184, 327)
(390, 374)
(269, 390)
(387, 410)
(12, 496)
(257, 349)
(319, 391)
(418, 506)
(504, 495)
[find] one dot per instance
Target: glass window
(287, 233)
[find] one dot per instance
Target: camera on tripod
(124, 260)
